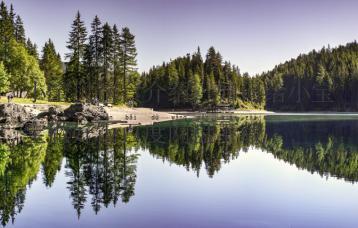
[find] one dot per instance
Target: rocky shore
(31, 119)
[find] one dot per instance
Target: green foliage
(51, 65)
(109, 64)
(32, 49)
(195, 89)
(20, 58)
(128, 59)
(320, 80)
(74, 78)
(53, 160)
(107, 55)
(19, 32)
(6, 31)
(24, 70)
(21, 165)
(4, 79)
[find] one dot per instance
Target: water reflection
(195, 143)
(101, 163)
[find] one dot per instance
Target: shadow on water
(100, 163)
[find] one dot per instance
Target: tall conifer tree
(76, 45)
(107, 45)
(129, 54)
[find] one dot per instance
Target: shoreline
(126, 116)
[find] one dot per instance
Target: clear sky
(253, 34)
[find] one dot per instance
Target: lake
(216, 171)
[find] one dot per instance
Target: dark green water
(276, 171)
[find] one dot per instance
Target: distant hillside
(320, 80)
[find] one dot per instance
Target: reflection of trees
(53, 158)
(327, 148)
(194, 143)
(19, 165)
(101, 163)
(332, 157)
(103, 167)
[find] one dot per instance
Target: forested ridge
(320, 80)
(191, 82)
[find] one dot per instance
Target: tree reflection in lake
(103, 166)
(195, 143)
(19, 165)
(101, 163)
(327, 147)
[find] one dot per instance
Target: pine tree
(129, 54)
(76, 45)
(96, 52)
(19, 30)
(117, 55)
(173, 84)
(51, 64)
(12, 15)
(195, 89)
(107, 45)
(261, 93)
(32, 48)
(89, 72)
(213, 98)
(6, 31)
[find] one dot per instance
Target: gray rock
(14, 115)
(84, 113)
(10, 136)
(53, 114)
(35, 126)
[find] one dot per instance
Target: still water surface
(274, 171)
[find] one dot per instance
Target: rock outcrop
(14, 115)
(84, 113)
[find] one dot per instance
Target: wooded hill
(320, 80)
(190, 82)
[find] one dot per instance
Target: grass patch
(30, 101)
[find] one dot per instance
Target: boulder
(35, 126)
(53, 114)
(85, 113)
(14, 115)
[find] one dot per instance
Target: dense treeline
(320, 80)
(190, 82)
(101, 65)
